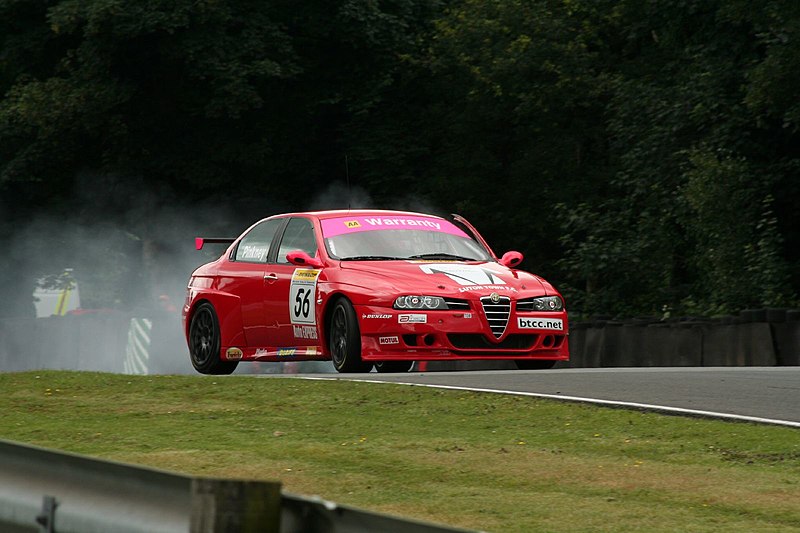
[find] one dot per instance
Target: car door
(290, 290)
(244, 276)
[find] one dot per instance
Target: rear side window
(299, 235)
(254, 247)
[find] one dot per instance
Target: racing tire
(393, 366)
(204, 342)
(535, 364)
(345, 339)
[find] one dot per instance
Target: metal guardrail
(46, 491)
(301, 514)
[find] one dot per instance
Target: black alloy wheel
(204, 342)
(345, 339)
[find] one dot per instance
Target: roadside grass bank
(475, 460)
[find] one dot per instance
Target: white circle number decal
(301, 296)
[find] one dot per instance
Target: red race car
(368, 288)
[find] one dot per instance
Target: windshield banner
(332, 227)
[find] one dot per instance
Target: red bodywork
(254, 303)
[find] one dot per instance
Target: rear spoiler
(200, 241)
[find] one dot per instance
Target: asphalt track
(757, 394)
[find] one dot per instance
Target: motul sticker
(540, 323)
(412, 319)
(388, 340)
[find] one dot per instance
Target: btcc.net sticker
(540, 323)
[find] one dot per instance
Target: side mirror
(300, 258)
(511, 259)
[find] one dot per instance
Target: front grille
(497, 314)
(456, 304)
(477, 341)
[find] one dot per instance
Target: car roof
(336, 213)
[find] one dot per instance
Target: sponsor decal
(412, 319)
(233, 354)
(415, 222)
(468, 275)
(305, 332)
(384, 317)
(301, 296)
(487, 288)
(389, 340)
(540, 323)
(286, 352)
(307, 275)
(253, 252)
(467, 315)
(332, 227)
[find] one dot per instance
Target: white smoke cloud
(131, 251)
(338, 195)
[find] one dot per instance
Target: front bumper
(389, 334)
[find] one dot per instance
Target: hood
(447, 278)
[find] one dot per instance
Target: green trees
(693, 225)
(113, 111)
(190, 96)
(643, 155)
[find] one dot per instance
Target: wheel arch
(229, 314)
(327, 314)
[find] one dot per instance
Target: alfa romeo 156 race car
(368, 288)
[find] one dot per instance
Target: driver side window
(299, 235)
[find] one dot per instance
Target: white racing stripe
(596, 401)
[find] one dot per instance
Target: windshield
(399, 237)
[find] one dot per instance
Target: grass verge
(475, 460)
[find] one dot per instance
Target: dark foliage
(642, 154)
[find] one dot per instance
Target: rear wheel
(393, 366)
(535, 364)
(204, 342)
(345, 339)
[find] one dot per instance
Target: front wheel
(393, 366)
(535, 364)
(345, 339)
(204, 342)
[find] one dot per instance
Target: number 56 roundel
(301, 296)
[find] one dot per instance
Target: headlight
(547, 303)
(420, 302)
